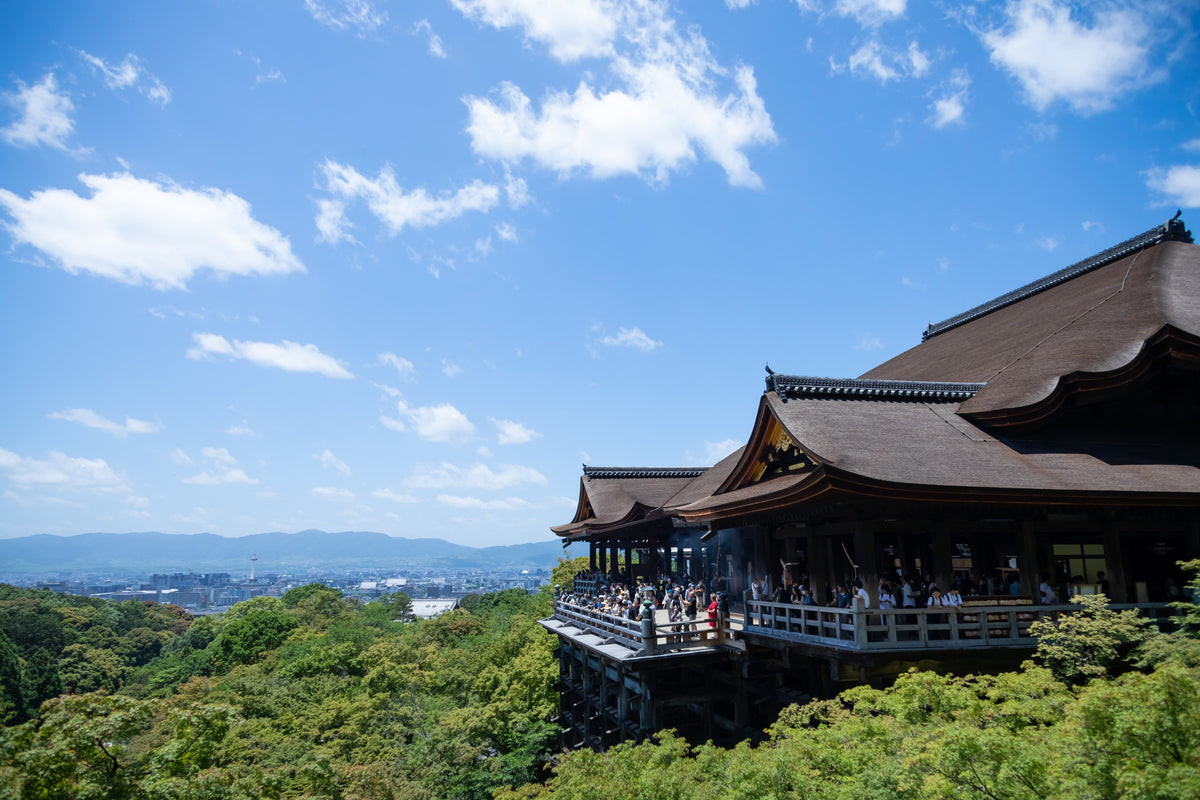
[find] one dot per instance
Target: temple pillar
(866, 557)
(943, 555)
(1114, 562)
(1027, 559)
(814, 562)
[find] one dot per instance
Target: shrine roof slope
(616, 495)
(1091, 321)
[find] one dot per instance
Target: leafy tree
(14, 704)
(397, 605)
(564, 572)
(246, 639)
(88, 669)
(1090, 643)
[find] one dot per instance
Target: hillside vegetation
(314, 695)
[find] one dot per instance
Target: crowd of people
(620, 595)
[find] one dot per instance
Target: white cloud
(403, 366)
(240, 430)
(516, 190)
(390, 391)
(870, 12)
(329, 460)
(631, 337)
(332, 495)
(290, 356)
(358, 16)
(511, 504)
(395, 497)
(449, 368)
(45, 115)
(738, 4)
(60, 471)
(1057, 52)
(506, 232)
(571, 29)
(91, 419)
(440, 423)
(884, 64)
(476, 476)
(1048, 243)
(392, 424)
(137, 231)
(715, 451)
(1090, 225)
(223, 469)
(868, 343)
(181, 458)
(513, 432)
(949, 108)
(663, 110)
(390, 203)
(1180, 184)
(435, 48)
(130, 72)
(1192, 146)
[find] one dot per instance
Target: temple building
(1049, 438)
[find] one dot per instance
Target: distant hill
(277, 552)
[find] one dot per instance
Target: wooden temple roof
(1079, 388)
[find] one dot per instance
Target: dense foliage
(308, 695)
(313, 695)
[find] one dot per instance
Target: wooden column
(1114, 562)
(592, 556)
(1027, 559)
(943, 564)
(818, 565)
(866, 557)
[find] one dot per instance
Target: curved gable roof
(611, 496)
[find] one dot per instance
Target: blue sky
(404, 267)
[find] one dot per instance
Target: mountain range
(153, 552)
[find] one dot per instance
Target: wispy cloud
(223, 469)
(60, 471)
(476, 476)
(435, 47)
(129, 73)
(403, 366)
(330, 461)
(391, 204)
(290, 356)
(360, 17)
(509, 432)
(634, 338)
(441, 423)
(45, 115)
(91, 419)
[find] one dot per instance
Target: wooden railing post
(860, 622)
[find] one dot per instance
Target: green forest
(314, 695)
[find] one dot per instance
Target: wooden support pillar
(592, 556)
(1114, 562)
(613, 562)
(629, 561)
(1027, 559)
(866, 557)
(818, 565)
(943, 557)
